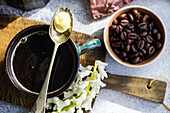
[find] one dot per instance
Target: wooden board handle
(137, 86)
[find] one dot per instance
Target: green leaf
(78, 95)
(66, 108)
(91, 78)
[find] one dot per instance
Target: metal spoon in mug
(59, 31)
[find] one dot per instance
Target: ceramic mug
(28, 57)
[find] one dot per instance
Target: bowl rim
(131, 7)
(17, 85)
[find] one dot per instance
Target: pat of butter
(62, 21)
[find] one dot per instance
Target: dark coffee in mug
(32, 59)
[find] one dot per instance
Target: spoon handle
(40, 104)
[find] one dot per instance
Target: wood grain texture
(137, 86)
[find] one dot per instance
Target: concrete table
(108, 101)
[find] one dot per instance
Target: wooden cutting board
(11, 25)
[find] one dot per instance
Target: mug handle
(92, 44)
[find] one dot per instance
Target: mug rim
(12, 77)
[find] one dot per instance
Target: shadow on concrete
(5, 20)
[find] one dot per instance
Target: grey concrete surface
(108, 101)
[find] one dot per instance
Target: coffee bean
(112, 39)
(133, 55)
(123, 35)
(139, 17)
(155, 31)
(122, 46)
(150, 33)
(142, 25)
(122, 15)
(138, 37)
(151, 26)
(127, 48)
(135, 60)
(117, 30)
(116, 51)
(143, 38)
(143, 51)
(145, 18)
(141, 60)
(139, 31)
(133, 30)
(118, 43)
(147, 45)
(141, 44)
(158, 45)
(124, 22)
(143, 33)
(115, 22)
(131, 17)
(123, 54)
(115, 45)
(111, 33)
(127, 42)
(158, 36)
(151, 50)
(112, 27)
(130, 26)
(136, 21)
(149, 39)
(120, 28)
(140, 54)
(134, 49)
(127, 30)
(126, 59)
(132, 35)
(116, 39)
(135, 11)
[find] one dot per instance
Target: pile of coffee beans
(134, 36)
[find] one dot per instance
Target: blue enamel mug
(28, 57)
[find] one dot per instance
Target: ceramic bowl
(158, 23)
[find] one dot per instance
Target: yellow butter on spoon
(62, 22)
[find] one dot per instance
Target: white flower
(84, 95)
(98, 62)
(79, 111)
(80, 99)
(51, 100)
(70, 110)
(81, 68)
(68, 94)
(61, 104)
(84, 74)
(101, 67)
(87, 102)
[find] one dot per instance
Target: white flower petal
(70, 110)
(87, 102)
(98, 62)
(79, 110)
(102, 72)
(62, 104)
(52, 100)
